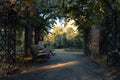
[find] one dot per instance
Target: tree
(70, 33)
(57, 30)
(84, 14)
(63, 40)
(34, 17)
(27, 14)
(110, 32)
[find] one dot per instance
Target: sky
(59, 22)
(69, 24)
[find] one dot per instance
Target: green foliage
(57, 30)
(70, 33)
(64, 39)
(84, 12)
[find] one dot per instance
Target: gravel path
(66, 66)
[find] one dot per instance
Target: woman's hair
(45, 45)
(40, 38)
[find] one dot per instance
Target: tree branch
(108, 4)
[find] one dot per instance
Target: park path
(66, 66)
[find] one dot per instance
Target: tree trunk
(36, 37)
(86, 40)
(28, 40)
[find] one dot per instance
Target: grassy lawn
(72, 50)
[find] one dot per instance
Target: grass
(72, 50)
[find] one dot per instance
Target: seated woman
(43, 47)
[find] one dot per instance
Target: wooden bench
(38, 54)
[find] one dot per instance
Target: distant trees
(70, 33)
(61, 38)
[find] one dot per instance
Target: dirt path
(66, 66)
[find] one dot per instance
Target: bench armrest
(40, 54)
